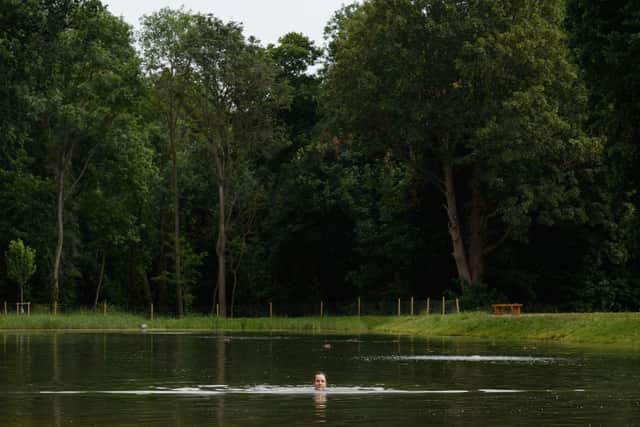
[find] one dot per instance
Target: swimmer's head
(320, 381)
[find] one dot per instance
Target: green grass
(79, 320)
(593, 328)
(302, 324)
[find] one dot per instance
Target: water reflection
(169, 380)
(465, 358)
(220, 378)
(220, 390)
(320, 402)
(57, 411)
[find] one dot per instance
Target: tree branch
(490, 248)
(82, 172)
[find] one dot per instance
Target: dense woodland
(486, 149)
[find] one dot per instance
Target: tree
(481, 98)
(341, 226)
(92, 79)
(114, 209)
(295, 54)
(236, 97)
(164, 37)
(25, 184)
(21, 264)
(605, 37)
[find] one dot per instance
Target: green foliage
(296, 55)
(235, 94)
(606, 43)
(605, 36)
(310, 232)
(21, 264)
(609, 294)
(333, 180)
(478, 297)
(482, 98)
(190, 273)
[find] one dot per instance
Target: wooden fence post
(151, 312)
(270, 309)
(443, 302)
(358, 306)
(217, 310)
(428, 308)
(399, 307)
(412, 306)
(457, 306)
(321, 308)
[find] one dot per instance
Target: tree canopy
(486, 149)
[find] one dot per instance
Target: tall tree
(296, 56)
(91, 77)
(25, 184)
(164, 38)
(236, 98)
(481, 96)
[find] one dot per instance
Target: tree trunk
(476, 228)
(220, 251)
(146, 288)
(132, 291)
(455, 230)
(60, 231)
(176, 221)
(233, 291)
(162, 293)
(100, 278)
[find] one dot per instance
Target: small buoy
(143, 326)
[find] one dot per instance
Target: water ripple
(206, 390)
(470, 358)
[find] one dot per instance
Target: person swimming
(320, 381)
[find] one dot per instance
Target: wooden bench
(498, 309)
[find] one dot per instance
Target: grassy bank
(595, 328)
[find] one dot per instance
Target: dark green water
(199, 379)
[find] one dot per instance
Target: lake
(234, 379)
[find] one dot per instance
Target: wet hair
(319, 373)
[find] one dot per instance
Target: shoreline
(570, 328)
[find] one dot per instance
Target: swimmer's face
(320, 382)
